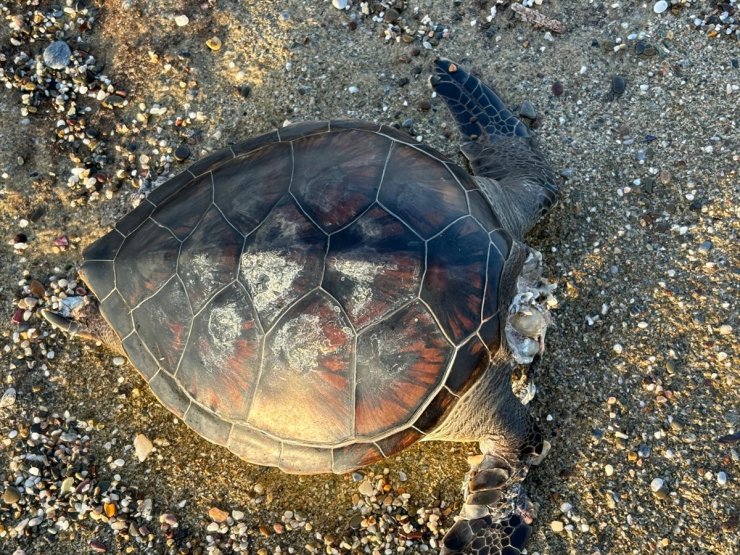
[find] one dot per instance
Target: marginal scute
(253, 143)
(490, 332)
(305, 388)
(374, 266)
(247, 188)
(104, 248)
(481, 210)
(399, 441)
(209, 257)
(140, 357)
(471, 360)
(100, 273)
(180, 216)
(298, 459)
(282, 260)
(162, 321)
(254, 446)
(146, 260)
(116, 312)
(172, 187)
(400, 361)
(334, 190)
(169, 393)
(211, 162)
(421, 191)
(456, 277)
(135, 218)
(221, 362)
(494, 270)
(302, 130)
(208, 425)
(355, 456)
(435, 411)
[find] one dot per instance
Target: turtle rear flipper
(496, 516)
(510, 169)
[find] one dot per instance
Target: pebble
(721, 478)
(119, 361)
(143, 447)
(660, 6)
(57, 55)
(214, 43)
(618, 348)
(557, 88)
(618, 85)
(609, 470)
(98, 546)
(340, 4)
(366, 488)
(181, 20)
(182, 153)
(527, 110)
(557, 526)
(217, 514)
(8, 398)
(11, 495)
(657, 484)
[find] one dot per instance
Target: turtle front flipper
(510, 169)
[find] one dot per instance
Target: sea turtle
(323, 296)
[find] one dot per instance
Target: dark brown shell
(315, 298)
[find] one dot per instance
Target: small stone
(557, 88)
(557, 526)
(279, 528)
(109, 509)
(98, 546)
(721, 478)
(340, 4)
(8, 398)
(237, 515)
(366, 488)
(660, 6)
(609, 470)
(357, 477)
(657, 484)
(618, 85)
(527, 110)
(67, 485)
(217, 515)
(11, 495)
(182, 153)
(57, 55)
(214, 43)
(565, 508)
(181, 20)
(391, 16)
(725, 329)
(143, 447)
(402, 476)
(618, 348)
(119, 361)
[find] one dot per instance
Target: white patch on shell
(269, 276)
(201, 270)
(362, 275)
(224, 324)
(301, 344)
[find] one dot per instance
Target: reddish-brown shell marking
(315, 298)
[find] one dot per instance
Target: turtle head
(81, 318)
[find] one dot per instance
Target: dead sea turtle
(323, 296)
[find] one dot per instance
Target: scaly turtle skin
(322, 296)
